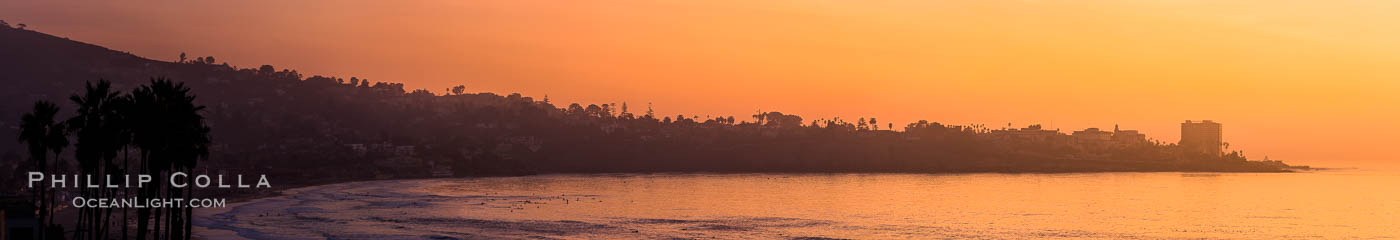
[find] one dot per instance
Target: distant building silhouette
(1203, 137)
(1031, 133)
(1117, 136)
(1128, 136)
(1092, 135)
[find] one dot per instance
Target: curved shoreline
(209, 225)
(222, 223)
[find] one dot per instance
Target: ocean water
(1320, 204)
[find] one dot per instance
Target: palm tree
(98, 129)
(189, 143)
(144, 129)
(171, 134)
(42, 134)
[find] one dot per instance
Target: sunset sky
(1312, 82)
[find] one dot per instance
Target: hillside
(273, 121)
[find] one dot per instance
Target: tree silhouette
(651, 113)
(574, 109)
(593, 110)
(457, 90)
(99, 130)
(43, 134)
(172, 136)
(625, 114)
(266, 70)
(422, 92)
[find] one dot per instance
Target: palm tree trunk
(91, 216)
(169, 212)
(126, 169)
(177, 226)
(101, 221)
(96, 229)
(156, 227)
(104, 222)
(143, 214)
(56, 158)
(41, 199)
(189, 212)
(83, 227)
(82, 214)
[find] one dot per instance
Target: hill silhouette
(313, 129)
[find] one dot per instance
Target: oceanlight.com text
(82, 202)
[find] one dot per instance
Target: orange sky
(1305, 81)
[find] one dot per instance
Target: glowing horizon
(1308, 82)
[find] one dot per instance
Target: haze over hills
(280, 123)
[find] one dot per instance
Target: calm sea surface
(1323, 204)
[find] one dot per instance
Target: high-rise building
(1202, 137)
